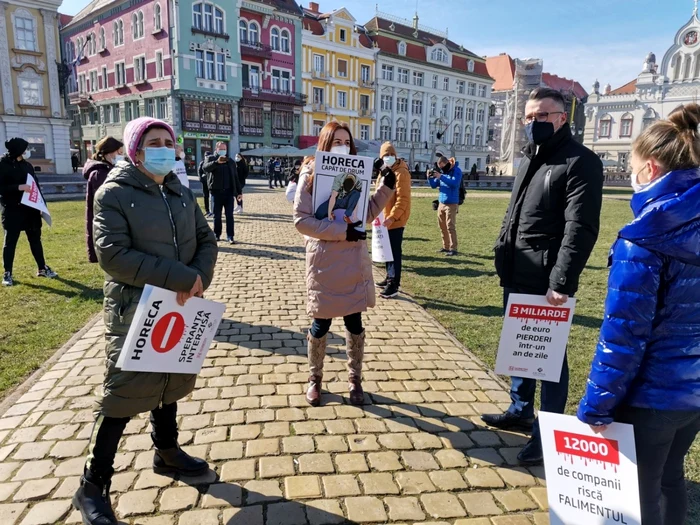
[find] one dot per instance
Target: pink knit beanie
(136, 129)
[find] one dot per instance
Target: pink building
(124, 69)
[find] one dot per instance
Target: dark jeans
(393, 269)
(347, 203)
(10, 246)
(553, 396)
(279, 179)
(223, 199)
(353, 323)
(205, 191)
(109, 430)
(662, 439)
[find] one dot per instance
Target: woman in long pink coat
(339, 278)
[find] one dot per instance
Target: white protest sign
(169, 338)
(381, 247)
(591, 478)
(344, 181)
(34, 199)
(534, 336)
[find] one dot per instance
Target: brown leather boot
(313, 394)
(357, 395)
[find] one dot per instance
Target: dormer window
(439, 55)
(402, 49)
(470, 66)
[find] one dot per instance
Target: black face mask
(539, 132)
(446, 168)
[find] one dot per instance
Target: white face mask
(636, 185)
(389, 160)
(238, 158)
(27, 154)
(342, 150)
(118, 158)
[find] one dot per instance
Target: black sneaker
(390, 291)
(47, 272)
(451, 253)
(382, 284)
(507, 420)
(443, 250)
(7, 279)
(231, 241)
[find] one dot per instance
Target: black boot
(93, 501)
(177, 461)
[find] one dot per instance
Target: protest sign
(34, 199)
(591, 478)
(342, 185)
(169, 338)
(534, 336)
(381, 247)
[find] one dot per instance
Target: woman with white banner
(646, 369)
(17, 217)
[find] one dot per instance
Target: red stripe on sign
(540, 313)
(600, 449)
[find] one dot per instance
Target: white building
(432, 94)
(614, 118)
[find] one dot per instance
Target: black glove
(389, 178)
(378, 163)
(353, 235)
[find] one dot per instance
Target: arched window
(649, 118)
(31, 92)
(401, 130)
(605, 129)
(254, 33)
(103, 38)
(92, 45)
(676, 64)
(477, 137)
(457, 135)
(480, 112)
(468, 136)
(285, 41)
(25, 30)
(470, 112)
(439, 55)
(402, 48)
(219, 21)
(470, 66)
(626, 123)
(385, 129)
(208, 17)
(415, 131)
(118, 29)
(275, 39)
(243, 31)
(157, 18)
(137, 25)
(197, 16)
(686, 70)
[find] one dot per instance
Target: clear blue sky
(581, 39)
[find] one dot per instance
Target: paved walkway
(417, 454)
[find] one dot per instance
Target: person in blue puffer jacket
(646, 369)
(449, 180)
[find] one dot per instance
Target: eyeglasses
(539, 117)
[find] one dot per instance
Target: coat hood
(667, 216)
(126, 173)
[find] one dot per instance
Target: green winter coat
(145, 236)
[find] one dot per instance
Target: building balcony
(366, 112)
(211, 33)
(271, 95)
(321, 75)
(255, 49)
(322, 108)
(79, 99)
(255, 131)
(366, 83)
(283, 133)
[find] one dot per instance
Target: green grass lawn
(463, 293)
(40, 315)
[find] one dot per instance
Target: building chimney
(313, 6)
(415, 22)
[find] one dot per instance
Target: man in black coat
(224, 187)
(548, 234)
(205, 183)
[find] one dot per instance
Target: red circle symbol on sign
(167, 332)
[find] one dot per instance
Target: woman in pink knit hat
(147, 229)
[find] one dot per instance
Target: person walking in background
(277, 173)
(548, 233)
(449, 181)
(180, 168)
(16, 217)
(223, 185)
(75, 162)
(271, 171)
(205, 185)
(293, 179)
(242, 174)
(108, 152)
(338, 269)
(148, 230)
(396, 215)
(646, 369)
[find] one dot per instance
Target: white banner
(534, 337)
(34, 199)
(591, 478)
(381, 247)
(169, 338)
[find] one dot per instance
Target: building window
(103, 39)
(365, 74)
(342, 99)
(137, 25)
(275, 39)
(417, 107)
(477, 137)
(209, 65)
(605, 127)
(482, 90)
(254, 33)
(626, 126)
(191, 110)
(252, 117)
(318, 96)
(402, 75)
(157, 19)
(151, 107)
(224, 113)
(415, 132)
(480, 113)
(461, 87)
(105, 78)
(386, 103)
(470, 113)
(92, 45)
(118, 29)
(342, 68)
(459, 113)
(402, 49)
(218, 21)
(286, 48)
(281, 81)
(470, 66)
(243, 31)
(163, 108)
(159, 64)
(402, 105)
(136, 109)
(472, 88)
(468, 138)
(385, 132)
(120, 74)
(208, 17)
(107, 110)
(282, 120)
(417, 78)
(443, 111)
(220, 67)
(30, 88)
(364, 132)
(435, 81)
(140, 69)
(319, 63)
(456, 135)
(93, 81)
(401, 132)
(364, 102)
(439, 55)
(199, 64)
(446, 84)
(25, 31)
(433, 108)
(116, 114)
(343, 35)
(318, 126)
(387, 72)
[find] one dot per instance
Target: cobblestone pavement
(416, 453)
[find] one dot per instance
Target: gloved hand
(352, 235)
(378, 163)
(389, 178)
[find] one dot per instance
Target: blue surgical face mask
(159, 161)
(390, 160)
(221, 152)
(118, 158)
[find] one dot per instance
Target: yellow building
(338, 72)
(30, 102)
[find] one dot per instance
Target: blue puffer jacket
(648, 355)
(449, 185)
